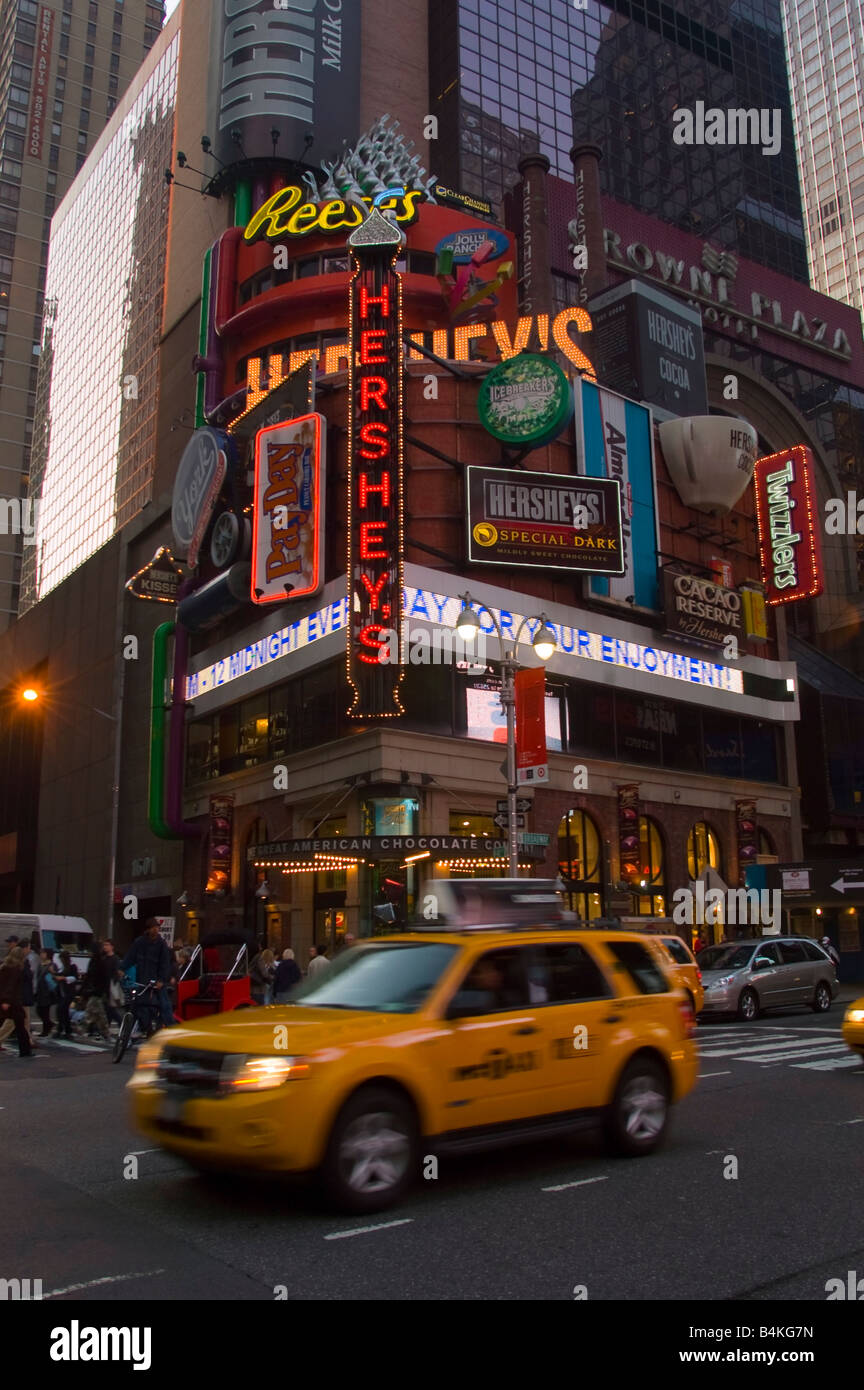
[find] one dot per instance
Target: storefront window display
(650, 901)
(703, 849)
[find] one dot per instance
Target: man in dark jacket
(152, 960)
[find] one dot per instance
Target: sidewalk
(849, 990)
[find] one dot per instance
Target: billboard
(545, 520)
(614, 439)
(288, 510)
(788, 525)
(293, 67)
(487, 720)
(39, 117)
(650, 346)
(700, 610)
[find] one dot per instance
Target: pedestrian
(96, 985)
(827, 945)
(46, 989)
(67, 988)
(286, 977)
(261, 975)
(698, 944)
(11, 1006)
(348, 940)
(116, 1006)
(317, 960)
(150, 958)
(11, 943)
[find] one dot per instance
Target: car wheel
(821, 999)
(748, 1006)
(371, 1158)
(637, 1118)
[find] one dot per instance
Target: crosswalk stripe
(778, 1047)
(830, 1064)
(797, 1052)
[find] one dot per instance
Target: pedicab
(216, 977)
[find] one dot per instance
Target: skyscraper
(64, 64)
(503, 77)
(825, 46)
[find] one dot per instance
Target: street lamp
(544, 643)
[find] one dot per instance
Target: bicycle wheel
(124, 1033)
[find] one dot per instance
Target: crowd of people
(69, 1002)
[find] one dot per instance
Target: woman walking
(287, 976)
(11, 1005)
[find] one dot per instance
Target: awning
(821, 673)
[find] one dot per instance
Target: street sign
(533, 837)
(502, 820)
(523, 803)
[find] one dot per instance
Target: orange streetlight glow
(30, 694)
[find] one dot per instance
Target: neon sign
(375, 453)
(287, 511)
(280, 216)
(788, 525)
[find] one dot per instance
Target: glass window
(579, 864)
(565, 973)
(792, 952)
(640, 965)
(703, 849)
(390, 815)
(384, 979)
(496, 983)
(677, 950)
(649, 876)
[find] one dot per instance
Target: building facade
(63, 69)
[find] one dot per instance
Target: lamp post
(544, 643)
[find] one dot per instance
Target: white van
(70, 934)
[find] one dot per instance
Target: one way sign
(502, 820)
(523, 803)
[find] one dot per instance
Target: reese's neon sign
(286, 214)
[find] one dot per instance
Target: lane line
(108, 1279)
(583, 1182)
(703, 1075)
(364, 1230)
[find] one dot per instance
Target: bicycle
(138, 997)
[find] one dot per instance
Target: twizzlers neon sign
(375, 500)
(788, 525)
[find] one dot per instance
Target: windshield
(725, 957)
(384, 979)
(75, 942)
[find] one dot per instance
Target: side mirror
(763, 962)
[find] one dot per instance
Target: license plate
(172, 1108)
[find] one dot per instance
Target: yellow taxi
(853, 1027)
(428, 1042)
(686, 970)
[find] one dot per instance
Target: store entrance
(331, 921)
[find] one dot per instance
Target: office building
(64, 65)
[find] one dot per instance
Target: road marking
(773, 1049)
(850, 1122)
(108, 1279)
(703, 1075)
(832, 1064)
(76, 1047)
(583, 1182)
(364, 1230)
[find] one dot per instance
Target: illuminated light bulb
(545, 642)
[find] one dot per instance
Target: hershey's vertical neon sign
(375, 499)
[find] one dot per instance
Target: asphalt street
(783, 1097)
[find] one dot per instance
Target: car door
(768, 975)
(489, 1053)
(797, 973)
(573, 1002)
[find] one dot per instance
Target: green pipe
(158, 709)
(242, 203)
(202, 339)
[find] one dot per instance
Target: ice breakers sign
(441, 610)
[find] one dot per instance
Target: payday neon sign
(375, 468)
(281, 216)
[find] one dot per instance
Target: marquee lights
(375, 469)
(788, 525)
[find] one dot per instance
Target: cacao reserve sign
(525, 402)
(544, 520)
(701, 610)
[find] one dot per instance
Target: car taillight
(688, 1018)
(698, 974)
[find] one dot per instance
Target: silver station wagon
(745, 977)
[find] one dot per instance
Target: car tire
(821, 999)
(372, 1153)
(748, 1006)
(637, 1118)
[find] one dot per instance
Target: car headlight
(146, 1064)
(721, 984)
(854, 1016)
(241, 1073)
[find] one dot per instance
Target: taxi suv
(428, 1042)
